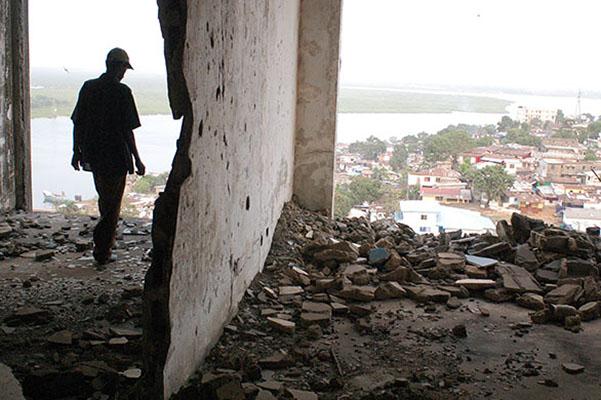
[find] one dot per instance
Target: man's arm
(77, 146)
(131, 142)
(78, 117)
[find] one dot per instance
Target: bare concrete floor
(69, 329)
(75, 348)
(402, 340)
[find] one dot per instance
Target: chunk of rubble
(281, 325)
(476, 284)
(290, 290)
(11, 388)
(451, 261)
(402, 275)
(516, 279)
(63, 337)
(358, 293)
(564, 294)
(28, 316)
(423, 294)
(390, 290)
(589, 311)
(294, 394)
(481, 262)
(532, 301)
(572, 368)
(378, 256)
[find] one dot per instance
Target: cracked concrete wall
(236, 158)
(15, 162)
(316, 108)
(233, 75)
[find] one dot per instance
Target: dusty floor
(84, 307)
(400, 350)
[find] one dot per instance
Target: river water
(52, 138)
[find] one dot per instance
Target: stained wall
(233, 72)
(15, 169)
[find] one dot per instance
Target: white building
(430, 217)
(581, 218)
(438, 176)
(525, 114)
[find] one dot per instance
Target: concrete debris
(572, 368)
(331, 309)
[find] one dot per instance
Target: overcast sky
(544, 44)
(77, 34)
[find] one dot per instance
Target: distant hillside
(54, 92)
(388, 101)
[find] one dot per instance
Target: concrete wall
(15, 170)
(233, 75)
(316, 110)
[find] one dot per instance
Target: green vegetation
(360, 189)
(387, 101)
(446, 144)
(492, 180)
(148, 183)
(590, 155)
(398, 161)
(370, 149)
(54, 93)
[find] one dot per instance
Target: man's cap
(118, 55)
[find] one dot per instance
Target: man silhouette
(103, 143)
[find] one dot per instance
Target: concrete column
(21, 104)
(15, 159)
(318, 61)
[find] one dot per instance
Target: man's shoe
(108, 260)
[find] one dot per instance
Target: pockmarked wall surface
(240, 66)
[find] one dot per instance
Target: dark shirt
(104, 116)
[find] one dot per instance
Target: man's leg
(110, 192)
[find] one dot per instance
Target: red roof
(438, 191)
(438, 171)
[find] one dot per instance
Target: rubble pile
(40, 237)
(549, 270)
(69, 329)
(321, 272)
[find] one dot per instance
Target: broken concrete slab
(10, 386)
(63, 337)
(378, 256)
(390, 290)
(572, 368)
(290, 290)
(481, 262)
(531, 301)
(564, 294)
(476, 284)
(451, 261)
(295, 394)
(589, 311)
(517, 279)
(310, 318)
(358, 293)
(281, 325)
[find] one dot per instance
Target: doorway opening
(431, 112)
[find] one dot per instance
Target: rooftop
(582, 213)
